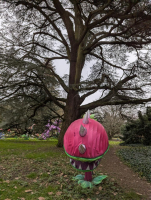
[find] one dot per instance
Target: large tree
(79, 31)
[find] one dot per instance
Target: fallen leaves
(58, 182)
(58, 193)
(7, 181)
(100, 188)
(28, 191)
(41, 198)
(17, 178)
(138, 193)
(50, 193)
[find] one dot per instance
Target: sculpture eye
(83, 131)
(82, 148)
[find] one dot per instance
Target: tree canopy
(24, 100)
(106, 31)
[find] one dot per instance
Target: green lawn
(114, 143)
(30, 169)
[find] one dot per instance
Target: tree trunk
(71, 113)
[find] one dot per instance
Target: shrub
(2, 136)
(138, 131)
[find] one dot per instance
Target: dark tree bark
(71, 113)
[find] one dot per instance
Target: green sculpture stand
(87, 184)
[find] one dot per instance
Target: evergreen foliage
(27, 102)
(139, 130)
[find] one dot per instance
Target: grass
(114, 143)
(30, 169)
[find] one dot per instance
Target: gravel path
(125, 177)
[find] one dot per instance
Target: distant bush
(26, 137)
(2, 136)
(138, 131)
(139, 158)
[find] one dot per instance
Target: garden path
(125, 177)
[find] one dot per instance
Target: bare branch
(53, 98)
(58, 77)
(31, 5)
(109, 96)
(66, 19)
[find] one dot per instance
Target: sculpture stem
(88, 176)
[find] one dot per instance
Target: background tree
(139, 130)
(24, 101)
(111, 118)
(78, 31)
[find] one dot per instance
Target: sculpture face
(85, 142)
(84, 166)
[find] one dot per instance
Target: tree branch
(31, 5)
(82, 98)
(58, 77)
(32, 43)
(52, 36)
(131, 43)
(109, 96)
(66, 19)
(53, 98)
(99, 57)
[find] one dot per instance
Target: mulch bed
(125, 177)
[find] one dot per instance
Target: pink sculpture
(85, 142)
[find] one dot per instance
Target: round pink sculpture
(85, 142)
